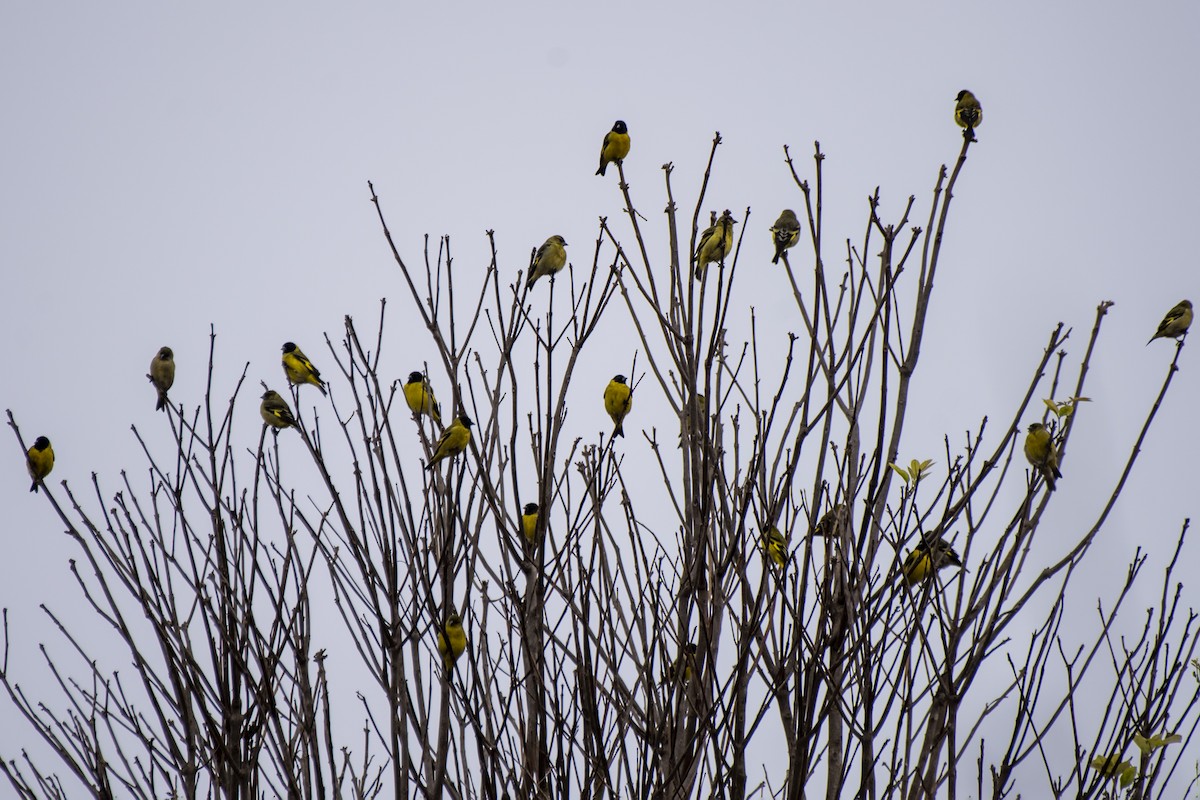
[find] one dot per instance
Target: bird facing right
(1041, 453)
(618, 399)
(549, 259)
(39, 460)
(785, 233)
(162, 374)
(715, 243)
(615, 146)
(1175, 323)
(451, 640)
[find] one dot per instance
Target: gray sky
(167, 167)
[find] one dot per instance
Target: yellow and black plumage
(162, 374)
(299, 369)
(453, 440)
(785, 233)
(549, 259)
(715, 243)
(529, 522)
(967, 112)
(39, 460)
(451, 640)
(1175, 323)
(684, 663)
(276, 412)
(776, 545)
(1042, 454)
(615, 147)
(929, 556)
(419, 396)
(618, 400)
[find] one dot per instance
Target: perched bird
(550, 258)
(618, 399)
(419, 396)
(615, 147)
(967, 112)
(828, 524)
(1039, 449)
(299, 369)
(685, 663)
(929, 556)
(39, 460)
(451, 640)
(776, 545)
(275, 411)
(715, 243)
(1175, 323)
(453, 440)
(785, 233)
(162, 374)
(529, 521)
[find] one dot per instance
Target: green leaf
(899, 471)
(1148, 746)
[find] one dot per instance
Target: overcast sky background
(167, 167)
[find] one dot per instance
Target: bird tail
(33, 488)
(603, 166)
(619, 430)
(321, 386)
(162, 401)
(529, 281)
(778, 253)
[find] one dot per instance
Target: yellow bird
(967, 112)
(453, 440)
(785, 233)
(618, 399)
(39, 460)
(685, 662)
(924, 560)
(162, 374)
(550, 258)
(615, 147)
(829, 522)
(451, 640)
(1175, 323)
(529, 521)
(299, 369)
(419, 396)
(715, 243)
(275, 412)
(776, 545)
(1040, 450)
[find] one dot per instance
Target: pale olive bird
(276, 412)
(453, 440)
(299, 369)
(1175, 323)
(967, 112)
(162, 374)
(1040, 450)
(618, 400)
(615, 146)
(419, 396)
(529, 522)
(550, 258)
(39, 460)
(451, 640)
(829, 522)
(924, 560)
(785, 233)
(715, 243)
(776, 545)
